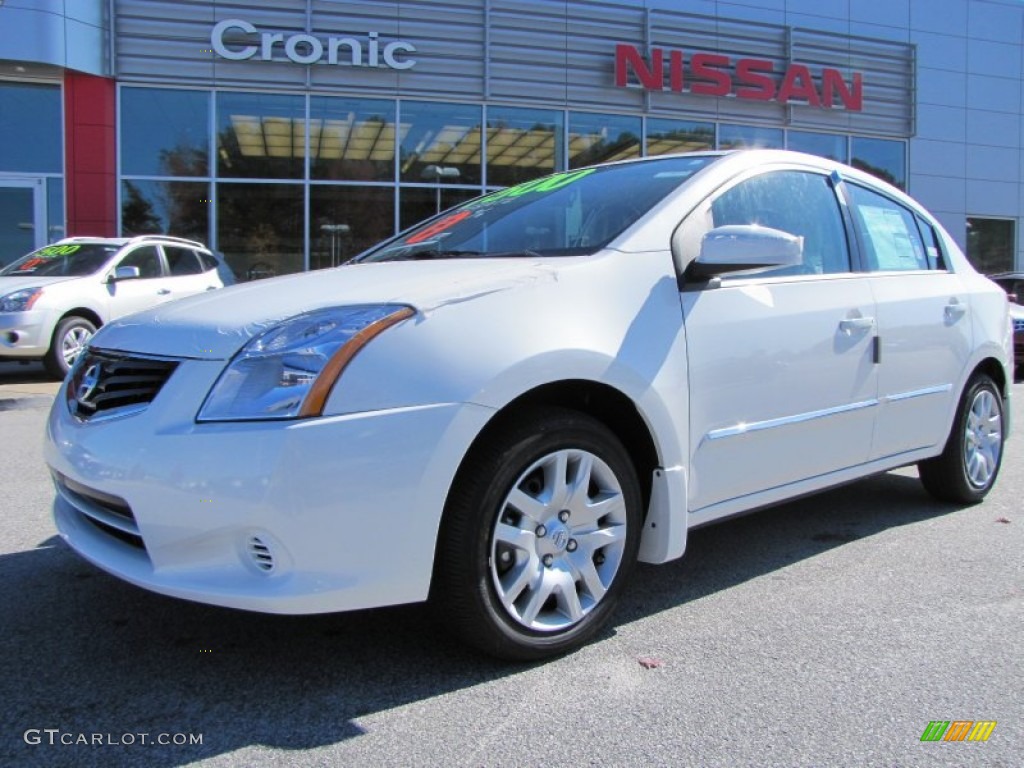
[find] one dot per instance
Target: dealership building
(291, 134)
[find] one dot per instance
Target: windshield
(567, 214)
(67, 260)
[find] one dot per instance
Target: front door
(783, 381)
(22, 217)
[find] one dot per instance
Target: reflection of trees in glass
(875, 170)
(137, 214)
(990, 244)
(601, 149)
(690, 139)
(346, 220)
(183, 160)
(260, 228)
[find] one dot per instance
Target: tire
(526, 567)
(967, 468)
(69, 339)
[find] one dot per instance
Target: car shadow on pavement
(12, 372)
(734, 551)
(88, 654)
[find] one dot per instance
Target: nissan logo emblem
(87, 387)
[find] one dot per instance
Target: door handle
(954, 310)
(854, 325)
(162, 292)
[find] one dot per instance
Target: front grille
(1018, 325)
(106, 384)
(105, 512)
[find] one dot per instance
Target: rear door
(783, 383)
(188, 273)
(923, 322)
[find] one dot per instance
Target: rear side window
(932, 245)
(888, 232)
(182, 261)
(208, 261)
(802, 204)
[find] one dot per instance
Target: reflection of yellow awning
(334, 139)
(669, 146)
(349, 138)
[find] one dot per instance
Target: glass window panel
(440, 141)
(260, 136)
(182, 261)
(345, 221)
(419, 203)
(748, 137)
(990, 244)
(178, 208)
(828, 145)
(54, 209)
(602, 138)
(522, 144)
(889, 234)
(885, 159)
(801, 204)
(146, 259)
(31, 128)
(17, 222)
(165, 132)
(352, 139)
(665, 137)
(259, 228)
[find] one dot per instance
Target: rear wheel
(967, 468)
(69, 341)
(539, 535)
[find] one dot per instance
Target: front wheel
(69, 341)
(540, 532)
(967, 468)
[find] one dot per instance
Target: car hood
(11, 283)
(215, 325)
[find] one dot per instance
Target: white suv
(53, 300)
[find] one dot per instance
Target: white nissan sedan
(505, 407)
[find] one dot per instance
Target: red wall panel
(90, 144)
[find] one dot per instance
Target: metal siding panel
(559, 54)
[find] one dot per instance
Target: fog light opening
(260, 554)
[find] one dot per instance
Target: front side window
(146, 258)
(572, 213)
(800, 203)
(888, 233)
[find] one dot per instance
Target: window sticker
(44, 254)
(895, 249)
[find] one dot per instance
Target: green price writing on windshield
(52, 251)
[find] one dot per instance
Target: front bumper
(25, 334)
(328, 514)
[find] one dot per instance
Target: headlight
(21, 300)
(288, 371)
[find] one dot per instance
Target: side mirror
(745, 248)
(124, 273)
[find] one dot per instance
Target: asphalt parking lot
(826, 632)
